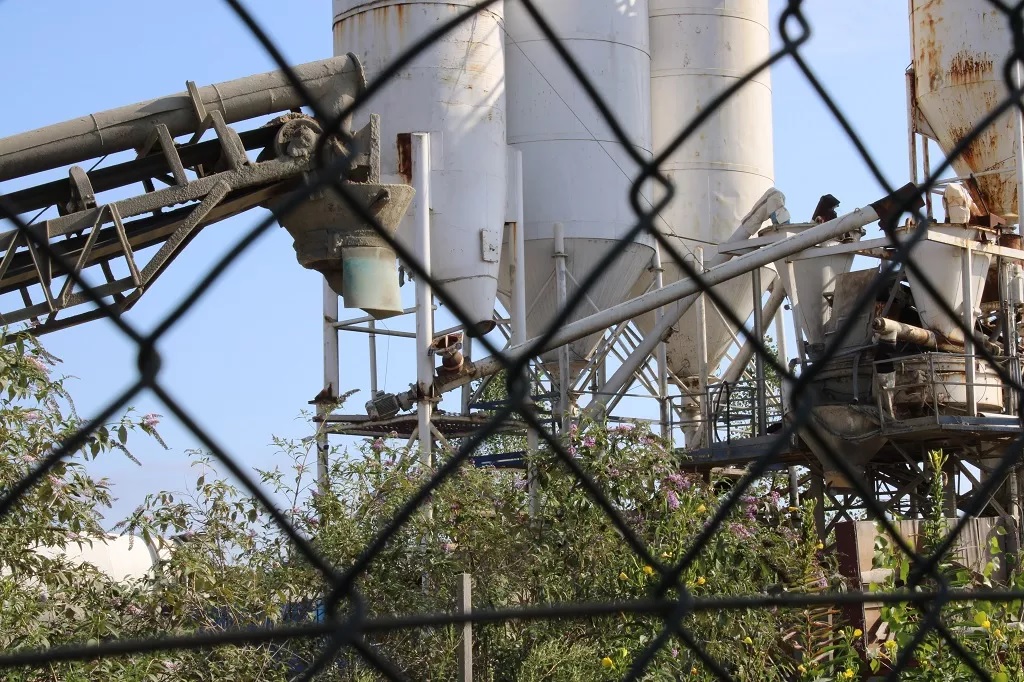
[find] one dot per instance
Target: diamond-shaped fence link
(346, 625)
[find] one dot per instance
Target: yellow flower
(848, 673)
(748, 641)
(607, 662)
(701, 580)
(648, 570)
(820, 546)
(891, 644)
(701, 509)
(801, 669)
(693, 670)
(664, 555)
(998, 633)
(857, 632)
(623, 576)
(987, 624)
(794, 509)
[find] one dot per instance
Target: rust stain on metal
(968, 67)
(405, 156)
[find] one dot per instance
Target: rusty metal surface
(959, 48)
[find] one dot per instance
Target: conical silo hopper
(942, 265)
(697, 51)
(809, 281)
(454, 90)
(575, 172)
(959, 51)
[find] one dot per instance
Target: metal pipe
(702, 356)
(663, 406)
(332, 382)
(561, 296)
(908, 333)
(771, 309)
(424, 295)
(334, 83)
(1018, 120)
(927, 174)
(715, 275)
(518, 311)
(762, 407)
(967, 261)
(373, 358)
(912, 133)
(680, 294)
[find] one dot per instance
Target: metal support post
(762, 400)
(663, 412)
(517, 240)
(561, 296)
(927, 175)
(373, 357)
(332, 381)
(424, 295)
(783, 345)
(464, 607)
(467, 354)
(1018, 120)
(911, 126)
(702, 351)
(967, 258)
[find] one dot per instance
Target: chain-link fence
(345, 625)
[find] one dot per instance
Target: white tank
(959, 49)
(454, 90)
(698, 49)
(575, 172)
(121, 557)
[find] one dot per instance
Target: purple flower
(448, 547)
(740, 531)
(673, 500)
(678, 481)
(32, 416)
(613, 472)
(624, 428)
(377, 445)
(37, 363)
(589, 442)
(571, 449)
(774, 497)
(521, 483)
(675, 653)
(151, 420)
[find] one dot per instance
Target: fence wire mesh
(346, 625)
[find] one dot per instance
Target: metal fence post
(464, 606)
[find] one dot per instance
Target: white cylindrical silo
(575, 171)
(454, 90)
(698, 49)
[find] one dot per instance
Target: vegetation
(227, 566)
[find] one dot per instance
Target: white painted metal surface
(121, 558)
(424, 293)
(698, 49)
(455, 90)
(575, 172)
(809, 282)
(941, 265)
(959, 49)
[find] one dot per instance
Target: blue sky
(247, 358)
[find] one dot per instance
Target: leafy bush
(227, 566)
